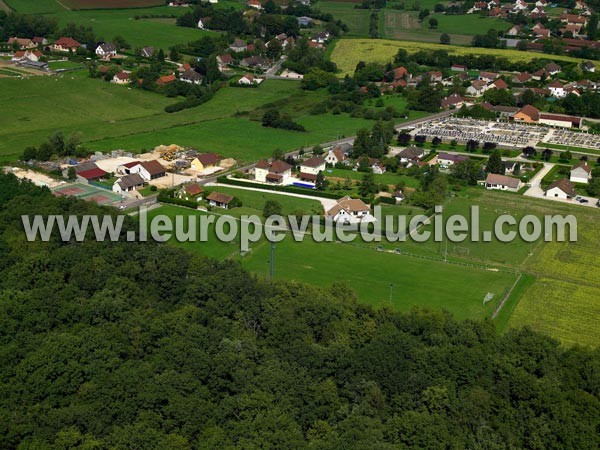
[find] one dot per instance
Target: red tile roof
(92, 174)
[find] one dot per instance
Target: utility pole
(272, 262)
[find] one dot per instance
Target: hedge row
(177, 201)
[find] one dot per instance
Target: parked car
(584, 200)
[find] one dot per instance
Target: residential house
(125, 169)
(128, 183)
(335, 155)
(502, 182)
(192, 77)
(521, 78)
(220, 200)
(527, 114)
(22, 43)
(452, 101)
(446, 160)
(191, 192)
(514, 31)
(321, 38)
(304, 21)
(106, 50)
(562, 189)
(488, 76)
(65, 44)
(376, 167)
(398, 196)
(581, 173)
(86, 176)
(238, 46)
(166, 79)
(40, 41)
(310, 168)
(204, 161)
(557, 89)
(588, 66)
(256, 4)
(477, 88)
(203, 23)
(223, 61)
(499, 83)
(121, 78)
(249, 80)
(149, 170)
(458, 68)
(255, 62)
(411, 155)
(553, 68)
(350, 210)
(277, 172)
(435, 76)
(184, 67)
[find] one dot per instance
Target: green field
(348, 52)
(253, 202)
(417, 282)
(110, 117)
(108, 23)
(356, 19)
(386, 178)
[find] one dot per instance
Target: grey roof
(129, 181)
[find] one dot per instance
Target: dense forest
(145, 346)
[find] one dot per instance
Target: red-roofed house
(166, 79)
(65, 44)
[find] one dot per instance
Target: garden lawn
(386, 178)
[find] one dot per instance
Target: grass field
(386, 178)
(348, 52)
(110, 117)
(356, 19)
(86, 4)
(253, 202)
(35, 6)
(417, 282)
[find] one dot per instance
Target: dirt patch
(4, 7)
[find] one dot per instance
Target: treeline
(56, 145)
(140, 345)
(26, 25)
(274, 119)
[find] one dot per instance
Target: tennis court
(88, 193)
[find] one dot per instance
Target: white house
(477, 88)
(350, 210)
(249, 80)
(149, 170)
(106, 50)
(557, 89)
(502, 183)
(313, 165)
(411, 154)
(335, 155)
(128, 183)
(191, 76)
(448, 159)
(277, 172)
(562, 189)
(581, 173)
(121, 78)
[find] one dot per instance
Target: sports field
(88, 193)
(348, 52)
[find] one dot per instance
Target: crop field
(87, 4)
(348, 52)
(356, 19)
(35, 6)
